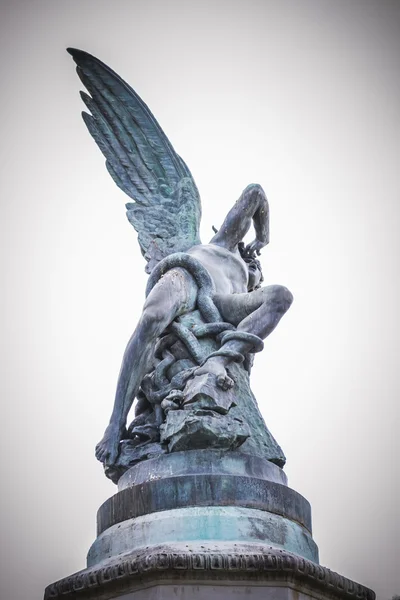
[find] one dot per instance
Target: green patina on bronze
(188, 362)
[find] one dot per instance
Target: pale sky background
(301, 96)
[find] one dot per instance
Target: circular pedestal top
(202, 462)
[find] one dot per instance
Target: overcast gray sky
(301, 96)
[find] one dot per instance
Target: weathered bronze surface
(205, 315)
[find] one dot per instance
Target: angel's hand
(254, 247)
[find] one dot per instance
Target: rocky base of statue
(205, 524)
(208, 418)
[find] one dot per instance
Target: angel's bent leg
(172, 296)
(257, 312)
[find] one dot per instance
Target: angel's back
(227, 269)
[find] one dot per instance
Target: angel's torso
(227, 269)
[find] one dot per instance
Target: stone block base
(222, 592)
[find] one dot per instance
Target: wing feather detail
(166, 207)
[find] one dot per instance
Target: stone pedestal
(205, 524)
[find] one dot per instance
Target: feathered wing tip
(166, 210)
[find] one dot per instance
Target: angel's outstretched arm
(252, 206)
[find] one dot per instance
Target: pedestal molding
(245, 564)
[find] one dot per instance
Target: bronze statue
(205, 313)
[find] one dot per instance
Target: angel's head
(253, 267)
(255, 275)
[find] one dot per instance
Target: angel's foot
(216, 366)
(107, 449)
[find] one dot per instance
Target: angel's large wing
(166, 210)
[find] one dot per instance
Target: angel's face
(255, 275)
